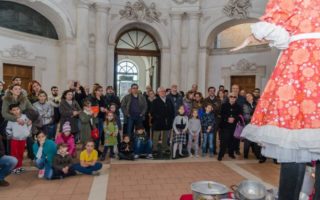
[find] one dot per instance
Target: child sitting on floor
(62, 163)
(142, 143)
(88, 160)
(125, 152)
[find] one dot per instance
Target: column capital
(84, 4)
(102, 7)
(176, 15)
(194, 14)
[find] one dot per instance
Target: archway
(137, 60)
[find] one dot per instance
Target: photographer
(78, 92)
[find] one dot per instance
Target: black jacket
(162, 114)
(100, 103)
(248, 110)
(228, 110)
(123, 147)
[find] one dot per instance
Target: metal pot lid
(209, 188)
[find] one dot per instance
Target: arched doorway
(137, 60)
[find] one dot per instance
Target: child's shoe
(41, 173)
(136, 156)
(22, 170)
(149, 156)
(16, 171)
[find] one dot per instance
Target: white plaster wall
(217, 62)
(38, 47)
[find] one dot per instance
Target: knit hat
(66, 127)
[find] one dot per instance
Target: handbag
(94, 132)
(239, 128)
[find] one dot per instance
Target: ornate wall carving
(244, 65)
(185, 1)
(139, 11)
(238, 9)
(18, 51)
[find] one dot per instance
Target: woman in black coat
(69, 111)
(230, 112)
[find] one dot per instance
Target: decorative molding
(238, 9)
(185, 1)
(244, 65)
(18, 51)
(139, 11)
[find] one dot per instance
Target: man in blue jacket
(7, 164)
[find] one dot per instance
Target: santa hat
(66, 127)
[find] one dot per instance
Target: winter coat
(126, 101)
(216, 104)
(100, 103)
(45, 111)
(162, 114)
(18, 132)
(24, 104)
(60, 162)
(69, 141)
(228, 110)
(66, 111)
(208, 120)
(86, 128)
(48, 152)
(176, 100)
(248, 110)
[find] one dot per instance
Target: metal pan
(205, 188)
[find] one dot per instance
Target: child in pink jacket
(67, 138)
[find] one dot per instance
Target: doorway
(247, 83)
(11, 70)
(137, 60)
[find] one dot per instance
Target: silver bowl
(250, 190)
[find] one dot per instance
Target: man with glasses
(162, 113)
(230, 112)
(134, 107)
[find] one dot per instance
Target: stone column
(102, 12)
(193, 49)
(176, 19)
(111, 63)
(165, 68)
(67, 70)
(202, 70)
(82, 41)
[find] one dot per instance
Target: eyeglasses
(232, 97)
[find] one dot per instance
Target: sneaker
(149, 156)
(102, 158)
(136, 156)
(22, 170)
(190, 155)
(16, 171)
(95, 173)
(4, 183)
(41, 173)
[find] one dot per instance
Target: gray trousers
(160, 140)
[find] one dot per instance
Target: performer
(286, 121)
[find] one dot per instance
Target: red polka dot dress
(286, 121)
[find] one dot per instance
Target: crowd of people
(164, 124)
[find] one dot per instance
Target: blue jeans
(44, 164)
(87, 170)
(142, 146)
(50, 131)
(207, 137)
(132, 121)
(7, 164)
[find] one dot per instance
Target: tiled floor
(28, 187)
(138, 180)
(165, 181)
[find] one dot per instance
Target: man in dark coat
(111, 97)
(175, 98)
(162, 113)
